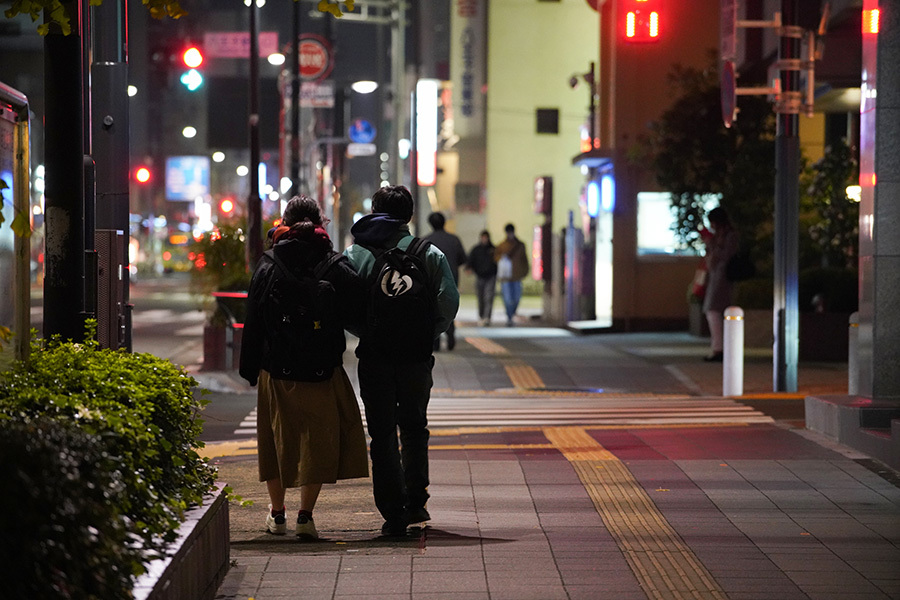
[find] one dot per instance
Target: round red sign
(315, 59)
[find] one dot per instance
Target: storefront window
(656, 219)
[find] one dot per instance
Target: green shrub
(142, 409)
(62, 531)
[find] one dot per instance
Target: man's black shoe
(395, 528)
(418, 515)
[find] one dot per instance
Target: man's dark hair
(436, 220)
(301, 208)
(510, 228)
(394, 200)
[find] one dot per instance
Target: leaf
(21, 225)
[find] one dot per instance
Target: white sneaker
(306, 528)
(276, 524)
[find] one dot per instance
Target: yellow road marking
(233, 448)
(522, 376)
(662, 562)
(487, 346)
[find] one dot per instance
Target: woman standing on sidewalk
(308, 421)
(721, 244)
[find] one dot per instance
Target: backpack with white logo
(400, 314)
(303, 332)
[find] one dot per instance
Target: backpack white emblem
(395, 284)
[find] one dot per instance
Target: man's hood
(375, 229)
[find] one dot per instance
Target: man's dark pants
(396, 395)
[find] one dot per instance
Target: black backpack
(304, 334)
(400, 311)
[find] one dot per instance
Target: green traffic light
(192, 79)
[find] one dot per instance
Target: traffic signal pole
(787, 201)
(110, 149)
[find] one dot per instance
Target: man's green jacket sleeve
(445, 289)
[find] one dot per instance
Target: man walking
(512, 267)
(412, 299)
(453, 249)
(481, 261)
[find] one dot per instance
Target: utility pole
(64, 200)
(295, 100)
(787, 201)
(789, 102)
(254, 204)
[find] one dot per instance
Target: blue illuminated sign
(187, 177)
(361, 132)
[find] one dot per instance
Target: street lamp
(592, 90)
(364, 86)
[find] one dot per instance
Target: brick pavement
(759, 511)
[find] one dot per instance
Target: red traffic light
(142, 175)
(226, 206)
(192, 57)
(642, 21)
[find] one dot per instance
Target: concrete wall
(533, 50)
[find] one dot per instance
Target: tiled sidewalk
(756, 512)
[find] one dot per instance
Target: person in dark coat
(481, 262)
(309, 433)
(721, 245)
(453, 249)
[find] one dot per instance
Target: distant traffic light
(142, 175)
(226, 206)
(192, 58)
(642, 20)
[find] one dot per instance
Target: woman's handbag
(698, 286)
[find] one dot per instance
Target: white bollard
(853, 355)
(733, 352)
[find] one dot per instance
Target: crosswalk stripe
(596, 410)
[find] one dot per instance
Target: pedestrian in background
(453, 249)
(481, 262)
(309, 427)
(512, 267)
(395, 377)
(722, 243)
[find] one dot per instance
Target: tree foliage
(159, 9)
(56, 11)
(832, 218)
(693, 155)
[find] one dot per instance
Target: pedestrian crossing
(550, 409)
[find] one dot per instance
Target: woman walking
(302, 296)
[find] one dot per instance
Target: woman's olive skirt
(309, 432)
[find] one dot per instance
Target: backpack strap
(283, 267)
(418, 247)
(326, 263)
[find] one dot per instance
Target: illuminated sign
(426, 131)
